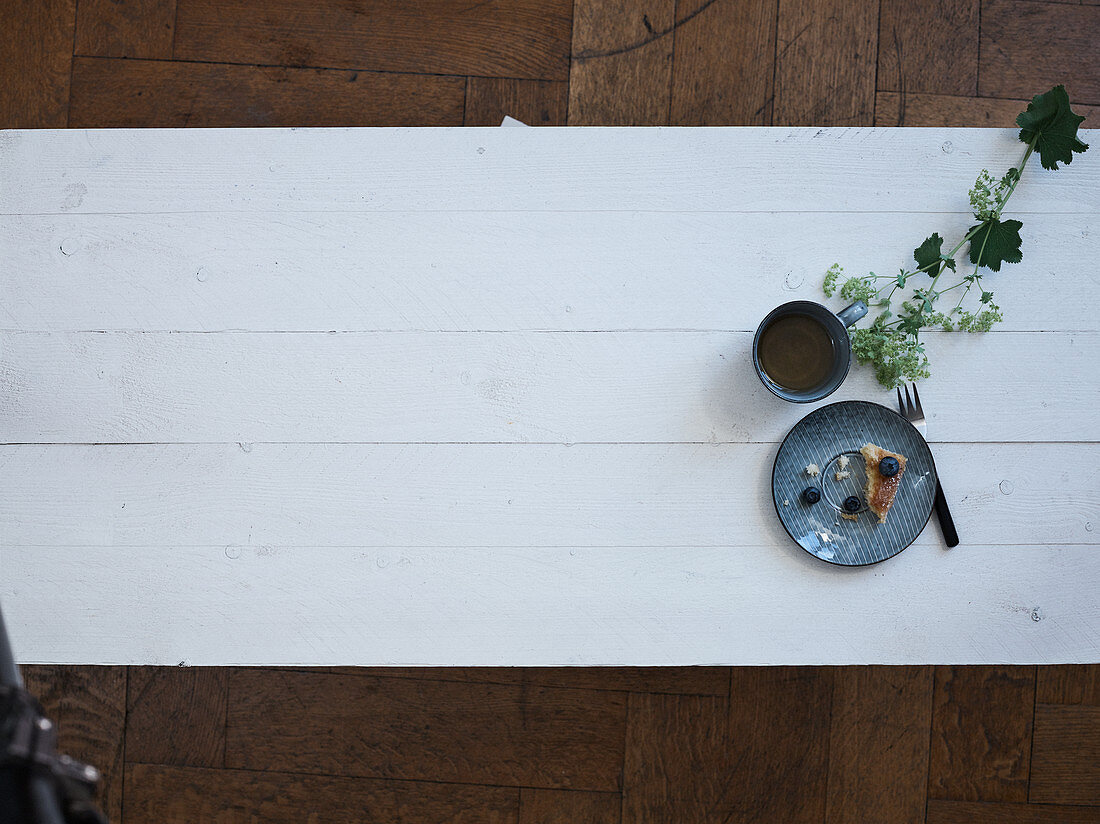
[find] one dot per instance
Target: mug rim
(845, 339)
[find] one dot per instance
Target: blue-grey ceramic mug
(836, 331)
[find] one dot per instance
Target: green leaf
(1051, 123)
(929, 254)
(912, 323)
(994, 242)
(987, 297)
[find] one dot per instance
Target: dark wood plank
(621, 70)
(894, 109)
(134, 93)
(825, 63)
(929, 47)
(1027, 47)
(778, 741)
(878, 750)
(534, 102)
(36, 41)
(188, 795)
(673, 680)
(88, 707)
(969, 812)
(177, 716)
(508, 38)
(981, 733)
(46, 682)
(437, 730)
(1069, 683)
(724, 62)
(1065, 766)
(568, 807)
(125, 28)
(92, 727)
(675, 747)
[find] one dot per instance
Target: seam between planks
(306, 68)
(368, 777)
(72, 65)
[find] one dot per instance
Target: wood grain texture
(673, 744)
(970, 812)
(1065, 764)
(353, 273)
(138, 93)
(187, 795)
(1027, 47)
(657, 387)
(176, 716)
(419, 495)
(46, 682)
(878, 750)
(36, 41)
(536, 606)
(87, 707)
(1069, 684)
(533, 102)
(91, 728)
(981, 733)
(516, 38)
(568, 807)
(825, 63)
(929, 47)
(723, 63)
(394, 728)
(939, 110)
(126, 28)
(374, 171)
(674, 680)
(778, 745)
(621, 68)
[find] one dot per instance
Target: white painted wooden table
(480, 396)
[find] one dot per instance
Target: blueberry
(888, 467)
(851, 504)
(811, 494)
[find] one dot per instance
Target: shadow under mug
(835, 327)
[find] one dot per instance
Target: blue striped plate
(821, 438)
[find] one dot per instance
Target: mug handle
(851, 314)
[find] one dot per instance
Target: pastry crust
(880, 491)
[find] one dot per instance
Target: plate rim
(899, 416)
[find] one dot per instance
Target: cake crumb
(840, 476)
(812, 470)
(842, 461)
(848, 517)
(786, 502)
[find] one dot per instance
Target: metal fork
(914, 413)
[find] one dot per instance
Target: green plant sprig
(892, 341)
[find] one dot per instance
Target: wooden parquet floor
(943, 745)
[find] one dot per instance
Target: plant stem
(996, 216)
(1020, 173)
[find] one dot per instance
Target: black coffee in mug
(801, 350)
(797, 352)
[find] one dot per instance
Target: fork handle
(947, 523)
